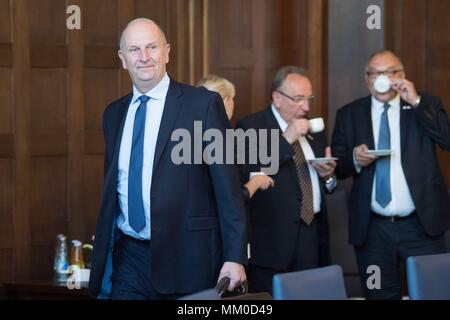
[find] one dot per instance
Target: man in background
(399, 205)
(288, 223)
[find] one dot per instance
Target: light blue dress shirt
(402, 203)
(155, 107)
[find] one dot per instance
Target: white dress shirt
(309, 154)
(155, 107)
(401, 203)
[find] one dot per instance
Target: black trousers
(306, 256)
(388, 244)
(131, 277)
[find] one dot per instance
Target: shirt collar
(158, 92)
(283, 124)
(379, 106)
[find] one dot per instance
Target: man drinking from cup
(288, 223)
(399, 203)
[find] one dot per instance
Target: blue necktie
(136, 214)
(383, 165)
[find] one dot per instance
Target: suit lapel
(270, 119)
(405, 116)
(312, 140)
(272, 123)
(364, 122)
(122, 112)
(172, 108)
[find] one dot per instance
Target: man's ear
(167, 53)
(122, 58)
(366, 77)
(275, 99)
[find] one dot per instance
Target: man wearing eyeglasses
(288, 223)
(399, 204)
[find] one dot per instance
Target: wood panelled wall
(55, 84)
(248, 40)
(419, 31)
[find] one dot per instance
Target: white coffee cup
(316, 125)
(256, 173)
(382, 84)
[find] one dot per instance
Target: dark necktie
(136, 213)
(383, 165)
(307, 208)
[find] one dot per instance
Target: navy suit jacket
(421, 129)
(274, 214)
(197, 211)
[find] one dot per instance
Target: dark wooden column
(350, 43)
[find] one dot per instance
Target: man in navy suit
(164, 230)
(399, 203)
(288, 223)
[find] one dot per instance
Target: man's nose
(144, 55)
(305, 106)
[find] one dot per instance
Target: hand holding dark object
(223, 284)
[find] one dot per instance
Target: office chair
(325, 283)
(428, 277)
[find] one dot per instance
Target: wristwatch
(416, 103)
(329, 180)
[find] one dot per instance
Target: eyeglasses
(388, 72)
(298, 99)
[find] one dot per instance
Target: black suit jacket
(421, 129)
(197, 211)
(275, 212)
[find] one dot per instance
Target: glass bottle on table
(61, 263)
(76, 257)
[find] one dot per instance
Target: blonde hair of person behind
(218, 84)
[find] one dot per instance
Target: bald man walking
(164, 230)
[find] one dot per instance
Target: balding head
(140, 21)
(384, 53)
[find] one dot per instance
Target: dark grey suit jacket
(421, 130)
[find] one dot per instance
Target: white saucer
(380, 153)
(322, 160)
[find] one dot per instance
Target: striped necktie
(301, 166)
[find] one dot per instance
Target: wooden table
(44, 289)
